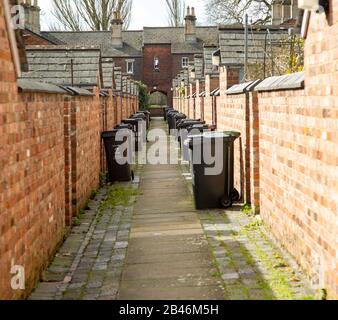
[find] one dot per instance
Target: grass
(118, 195)
(247, 209)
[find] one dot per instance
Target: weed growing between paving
(118, 195)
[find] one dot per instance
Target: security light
(193, 74)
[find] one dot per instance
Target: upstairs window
(185, 62)
(156, 64)
(130, 67)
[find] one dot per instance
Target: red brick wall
(200, 87)
(177, 63)
(299, 158)
(32, 175)
(211, 83)
(86, 147)
(233, 116)
(162, 79)
(138, 66)
(50, 163)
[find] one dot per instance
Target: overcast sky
(146, 13)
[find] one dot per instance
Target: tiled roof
(52, 64)
(132, 41)
(207, 54)
(232, 40)
(108, 72)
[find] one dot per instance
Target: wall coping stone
(76, 91)
(26, 85)
(286, 82)
(242, 87)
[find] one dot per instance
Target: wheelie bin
(118, 155)
(137, 130)
(191, 130)
(213, 189)
(166, 110)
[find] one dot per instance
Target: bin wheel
(235, 196)
(226, 203)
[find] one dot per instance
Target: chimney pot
(116, 28)
(190, 25)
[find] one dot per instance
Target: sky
(146, 13)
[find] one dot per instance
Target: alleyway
(146, 241)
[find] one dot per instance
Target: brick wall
(161, 79)
(299, 158)
(200, 87)
(287, 158)
(138, 66)
(31, 205)
(50, 162)
(211, 83)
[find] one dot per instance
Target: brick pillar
(254, 151)
(186, 101)
(68, 160)
(211, 83)
(119, 108)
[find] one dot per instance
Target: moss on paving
(118, 195)
(280, 281)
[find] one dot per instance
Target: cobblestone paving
(251, 266)
(156, 247)
(89, 264)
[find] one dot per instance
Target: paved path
(155, 245)
(168, 254)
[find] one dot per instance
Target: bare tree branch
(233, 11)
(175, 10)
(96, 15)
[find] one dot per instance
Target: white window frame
(185, 62)
(132, 66)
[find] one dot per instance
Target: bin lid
(124, 126)
(213, 135)
(186, 124)
(133, 122)
(109, 134)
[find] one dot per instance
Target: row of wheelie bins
(211, 157)
(122, 142)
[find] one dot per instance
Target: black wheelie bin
(213, 189)
(118, 155)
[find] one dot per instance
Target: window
(156, 64)
(130, 67)
(185, 62)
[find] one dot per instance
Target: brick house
(152, 55)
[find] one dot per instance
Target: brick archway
(158, 97)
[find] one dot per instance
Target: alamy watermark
(18, 278)
(161, 149)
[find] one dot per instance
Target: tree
(233, 11)
(96, 15)
(175, 10)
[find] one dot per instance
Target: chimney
(32, 15)
(190, 25)
(277, 12)
(286, 10)
(116, 28)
